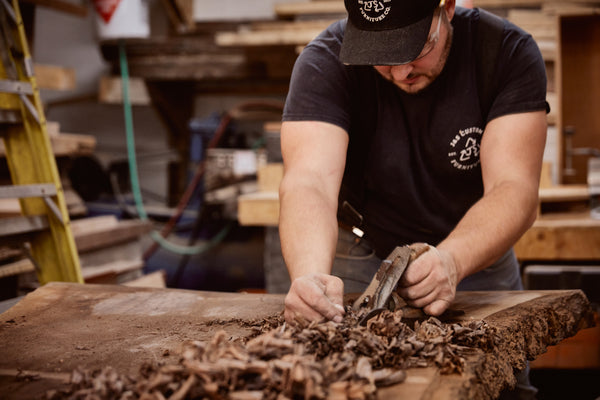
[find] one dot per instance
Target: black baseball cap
(386, 32)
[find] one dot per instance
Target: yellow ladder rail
(29, 155)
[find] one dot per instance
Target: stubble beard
(427, 78)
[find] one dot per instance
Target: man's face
(420, 73)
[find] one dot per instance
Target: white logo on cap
(374, 10)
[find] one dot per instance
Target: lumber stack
(110, 251)
(64, 146)
(296, 24)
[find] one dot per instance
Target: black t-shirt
(418, 154)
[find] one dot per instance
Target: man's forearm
(491, 227)
(308, 230)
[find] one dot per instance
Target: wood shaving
(325, 360)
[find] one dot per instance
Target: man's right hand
(315, 297)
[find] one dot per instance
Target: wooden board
(288, 10)
(62, 326)
(54, 77)
(568, 236)
(259, 209)
(110, 91)
(67, 144)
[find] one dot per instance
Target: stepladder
(43, 228)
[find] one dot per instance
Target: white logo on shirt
(465, 148)
(374, 10)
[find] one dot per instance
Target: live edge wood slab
(62, 326)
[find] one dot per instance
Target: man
(386, 106)
(387, 117)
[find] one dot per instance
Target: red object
(106, 8)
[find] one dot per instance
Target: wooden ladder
(44, 223)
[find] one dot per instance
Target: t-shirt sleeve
(521, 77)
(319, 88)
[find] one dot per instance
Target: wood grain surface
(62, 326)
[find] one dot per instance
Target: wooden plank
(553, 102)
(259, 209)
(269, 177)
(114, 272)
(507, 3)
(570, 8)
(262, 207)
(560, 193)
(67, 144)
(291, 33)
(546, 175)
(286, 10)
(87, 226)
(75, 206)
(299, 25)
(16, 268)
(94, 326)
(570, 237)
(102, 260)
(540, 25)
(54, 77)
(282, 37)
(9, 253)
(53, 128)
(9, 208)
(124, 231)
(272, 127)
(130, 250)
(110, 91)
(72, 144)
(157, 279)
(23, 225)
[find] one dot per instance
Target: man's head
(407, 41)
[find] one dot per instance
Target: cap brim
(387, 47)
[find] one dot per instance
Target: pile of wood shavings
(308, 361)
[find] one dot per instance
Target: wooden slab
(259, 209)
(62, 326)
(561, 236)
(54, 77)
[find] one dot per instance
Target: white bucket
(122, 18)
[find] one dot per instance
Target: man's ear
(450, 6)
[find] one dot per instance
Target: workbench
(62, 326)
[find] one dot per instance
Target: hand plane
(378, 294)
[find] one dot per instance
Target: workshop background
(207, 81)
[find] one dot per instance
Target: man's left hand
(430, 282)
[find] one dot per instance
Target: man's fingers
(314, 298)
(334, 290)
(436, 308)
(420, 290)
(417, 271)
(430, 282)
(421, 302)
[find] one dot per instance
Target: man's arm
(314, 155)
(511, 157)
